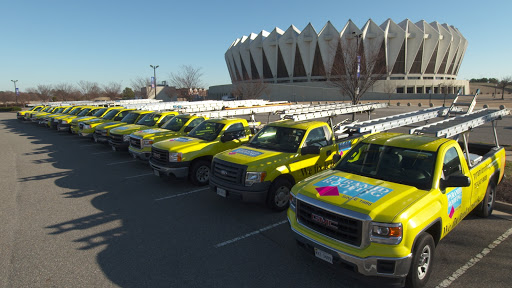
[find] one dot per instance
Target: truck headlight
(147, 143)
(386, 233)
(86, 126)
(293, 202)
(64, 122)
(175, 157)
(254, 177)
(126, 138)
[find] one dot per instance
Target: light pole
(154, 76)
(16, 95)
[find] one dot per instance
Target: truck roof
(225, 120)
(302, 124)
(417, 142)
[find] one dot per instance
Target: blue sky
(54, 41)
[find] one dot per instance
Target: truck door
(456, 200)
(306, 165)
(234, 136)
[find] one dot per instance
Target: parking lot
(76, 214)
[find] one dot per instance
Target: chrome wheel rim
(424, 262)
(282, 196)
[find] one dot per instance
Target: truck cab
(102, 131)
(86, 128)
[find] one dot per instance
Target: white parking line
(141, 175)
(85, 145)
(475, 259)
(182, 194)
(115, 163)
(97, 153)
(250, 234)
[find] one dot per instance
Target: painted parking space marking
(98, 153)
(86, 145)
(183, 194)
(250, 234)
(475, 259)
(141, 175)
(115, 163)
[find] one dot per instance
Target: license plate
(134, 156)
(157, 173)
(221, 192)
(323, 255)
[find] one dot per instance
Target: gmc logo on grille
(157, 156)
(324, 221)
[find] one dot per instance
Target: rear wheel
(486, 207)
(422, 260)
(200, 172)
(279, 195)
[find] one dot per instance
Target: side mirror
(118, 118)
(188, 129)
(455, 181)
(335, 158)
(226, 137)
(160, 124)
(315, 150)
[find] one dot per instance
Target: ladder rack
(394, 121)
(331, 110)
(460, 124)
(245, 111)
(461, 101)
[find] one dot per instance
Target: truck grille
(159, 156)
(230, 172)
(336, 226)
(116, 138)
(135, 142)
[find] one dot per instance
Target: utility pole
(154, 76)
(15, 91)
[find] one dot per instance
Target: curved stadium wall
(420, 57)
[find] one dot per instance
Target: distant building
(171, 93)
(420, 58)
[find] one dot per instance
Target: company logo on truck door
(344, 147)
(336, 186)
(247, 152)
(454, 200)
(181, 139)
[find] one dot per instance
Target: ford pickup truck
(98, 113)
(191, 155)
(280, 155)
(64, 124)
(180, 125)
(386, 205)
(86, 127)
(102, 131)
(21, 114)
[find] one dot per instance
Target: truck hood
(379, 199)
(83, 118)
(150, 132)
(127, 129)
(255, 159)
(183, 144)
(110, 125)
(95, 121)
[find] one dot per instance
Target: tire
(486, 207)
(200, 172)
(422, 261)
(279, 195)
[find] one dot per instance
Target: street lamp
(15, 94)
(154, 76)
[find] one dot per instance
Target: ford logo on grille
(324, 221)
(223, 172)
(156, 156)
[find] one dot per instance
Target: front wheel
(486, 207)
(200, 172)
(422, 260)
(279, 195)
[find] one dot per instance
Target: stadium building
(420, 58)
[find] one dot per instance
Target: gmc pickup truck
(386, 205)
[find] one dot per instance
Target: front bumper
(254, 193)
(369, 266)
(139, 154)
(98, 138)
(63, 127)
(119, 145)
(180, 171)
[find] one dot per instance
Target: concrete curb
(503, 207)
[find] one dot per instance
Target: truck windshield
(130, 118)
(281, 139)
(99, 112)
(110, 114)
(149, 120)
(175, 124)
(76, 111)
(206, 131)
(394, 164)
(84, 112)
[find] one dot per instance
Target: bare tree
(44, 92)
(6, 97)
(356, 69)
(505, 81)
(89, 90)
(65, 92)
(138, 83)
(389, 88)
(249, 90)
(112, 90)
(187, 77)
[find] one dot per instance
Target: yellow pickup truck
(386, 205)
(120, 136)
(64, 123)
(191, 155)
(21, 114)
(86, 127)
(102, 131)
(180, 125)
(95, 114)
(280, 155)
